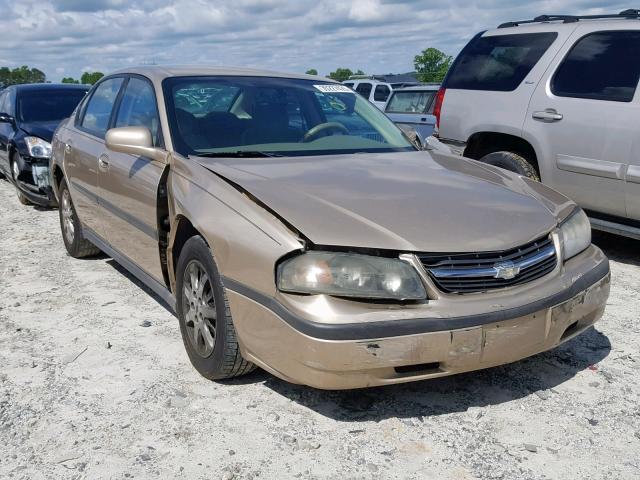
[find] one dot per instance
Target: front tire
(204, 315)
(15, 172)
(77, 246)
(512, 162)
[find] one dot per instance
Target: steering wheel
(313, 132)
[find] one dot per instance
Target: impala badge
(506, 270)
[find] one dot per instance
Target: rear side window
(98, 110)
(381, 93)
(410, 102)
(600, 66)
(364, 89)
(498, 63)
(138, 108)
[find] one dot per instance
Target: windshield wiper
(238, 154)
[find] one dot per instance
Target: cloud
(377, 36)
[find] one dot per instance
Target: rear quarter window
(600, 66)
(498, 63)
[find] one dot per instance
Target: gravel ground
(95, 383)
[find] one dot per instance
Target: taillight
(437, 106)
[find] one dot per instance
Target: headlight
(575, 234)
(350, 275)
(37, 147)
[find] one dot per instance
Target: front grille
(480, 272)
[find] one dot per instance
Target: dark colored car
(29, 115)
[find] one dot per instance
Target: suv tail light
(437, 105)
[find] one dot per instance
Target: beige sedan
(292, 226)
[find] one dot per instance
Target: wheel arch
(483, 143)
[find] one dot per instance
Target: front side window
(275, 116)
(600, 66)
(381, 93)
(98, 111)
(47, 105)
(498, 62)
(364, 89)
(138, 108)
(410, 102)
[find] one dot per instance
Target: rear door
(491, 81)
(128, 185)
(582, 119)
(83, 146)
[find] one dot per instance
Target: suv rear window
(600, 66)
(498, 63)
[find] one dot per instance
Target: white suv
(375, 91)
(555, 99)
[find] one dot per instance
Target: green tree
(89, 78)
(432, 65)
(70, 80)
(359, 72)
(19, 75)
(312, 71)
(341, 74)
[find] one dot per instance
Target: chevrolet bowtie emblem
(506, 270)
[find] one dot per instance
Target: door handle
(549, 115)
(103, 164)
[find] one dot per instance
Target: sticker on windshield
(329, 88)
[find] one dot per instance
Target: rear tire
(77, 246)
(204, 315)
(15, 171)
(512, 162)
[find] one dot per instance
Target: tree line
(431, 66)
(25, 74)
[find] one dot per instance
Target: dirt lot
(94, 383)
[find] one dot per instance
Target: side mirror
(134, 141)
(6, 118)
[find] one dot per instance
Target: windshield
(277, 116)
(47, 105)
(410, 102)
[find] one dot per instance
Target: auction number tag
(329, 88)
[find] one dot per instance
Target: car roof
(419, 88)
(160, 72)
(28, 87)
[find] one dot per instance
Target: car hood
(43, 130)
(413, 201)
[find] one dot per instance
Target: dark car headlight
(350, 275)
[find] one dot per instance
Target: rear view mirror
(6, 118)
(134, 141)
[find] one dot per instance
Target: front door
(632, 185)
(583, 117)
(128, 185)
(6, 130)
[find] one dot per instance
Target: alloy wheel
(199, 309)
(66, 209)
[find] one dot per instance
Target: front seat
(270, 124)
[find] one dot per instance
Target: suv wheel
(15, 172)
(77, 246)
(204, 315)
(512, 162)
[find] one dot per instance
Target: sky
(68, 37)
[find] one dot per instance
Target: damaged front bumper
(34, 182)
(416, 347)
